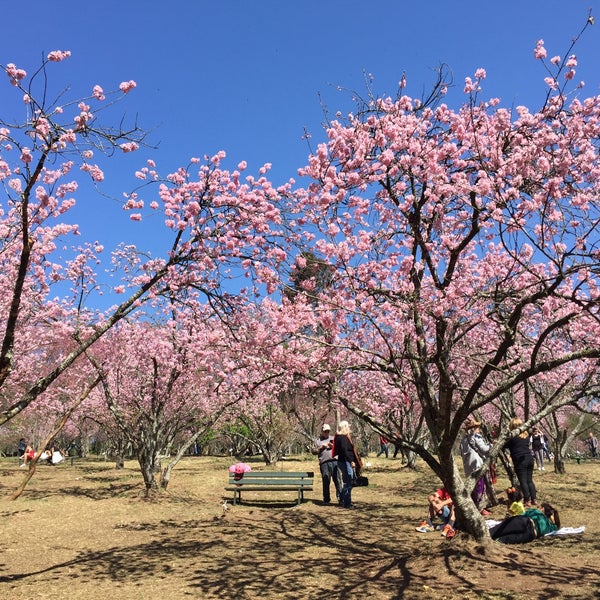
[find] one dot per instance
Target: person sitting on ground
(532, 524)
(514, 502)
(56, 456)
(440, 506)
(45, 456)
(27, 455)
(51, 455)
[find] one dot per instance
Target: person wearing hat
(474, 449)
(322, 447)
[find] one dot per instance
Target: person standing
(383, 447)
(592, 442)
(328, 464)
(348, 461)
(474, 449)
(522, 459)
(537, 447)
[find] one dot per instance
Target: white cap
(326, 427)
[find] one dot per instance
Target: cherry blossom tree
(215, 221)
(465, 248)
(161, 385)
(576, 385)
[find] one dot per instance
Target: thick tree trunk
(559, 464)
(559, 451)
(165, 476)
(270, 457)
(468, 517)
(411, 460)
(148, 460)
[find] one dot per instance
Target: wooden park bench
(271, 481)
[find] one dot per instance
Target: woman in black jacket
(348, 460)
(522, 459)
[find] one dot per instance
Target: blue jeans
(384, 449)
(347, 473)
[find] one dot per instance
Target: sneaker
(23, 465)
(486, 513)
(424, 528)
(451, 533)
(448, 531)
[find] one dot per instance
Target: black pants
(514, 530)
(524, 473)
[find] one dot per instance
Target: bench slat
(275, 474)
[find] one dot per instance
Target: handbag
(361, 481)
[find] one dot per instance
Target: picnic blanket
(562, 531)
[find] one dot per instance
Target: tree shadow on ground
(290, 553)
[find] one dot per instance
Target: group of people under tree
(26, 453)
(525, 520)
(526, 450)
(340, 463)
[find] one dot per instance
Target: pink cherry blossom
(58, 55)
(127, 86)
(15, 75)
(129, 147)
(540, 51)
(98, 93)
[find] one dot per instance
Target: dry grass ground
(86, 531)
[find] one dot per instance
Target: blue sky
(246, 77)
